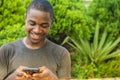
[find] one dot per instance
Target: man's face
(38, 24)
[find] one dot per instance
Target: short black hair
(42, 5)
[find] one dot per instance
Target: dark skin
(37, 28)
(44, 74)
(38, 25)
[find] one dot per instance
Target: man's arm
(64, 71)
(9, 74)
(17, 74)
(44, 74)
(3, 62)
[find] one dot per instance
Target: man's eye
(45, 26)
(32, 24)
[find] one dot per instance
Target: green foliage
(107, 12)
(70, 20)
(11, 13)
(11, 19)
(110, 68)
(94, 53)
(84, 71)
(13, 34)
(113, 68)
(97, 51)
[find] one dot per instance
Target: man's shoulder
(59, 52)
(8, 50)
(54, 45)
(11, 44)
(57, 48)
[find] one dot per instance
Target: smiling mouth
(36, 36)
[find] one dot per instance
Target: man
(35, 50)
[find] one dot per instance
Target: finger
(42, 68)
(21, 67)
(25, 77)
(41, 74)
(19, 74)
(22, 74)
(39, 77)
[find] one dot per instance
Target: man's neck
(30, 45)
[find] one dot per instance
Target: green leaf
(95, 43)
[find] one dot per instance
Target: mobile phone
(31, 70)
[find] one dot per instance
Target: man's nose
(38, 29)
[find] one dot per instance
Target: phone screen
(31, 70)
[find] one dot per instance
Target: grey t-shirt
(51, 55)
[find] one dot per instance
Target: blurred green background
(89, 29)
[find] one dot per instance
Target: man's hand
(44, 74)
(19, 75)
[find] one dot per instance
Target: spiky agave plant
(101, 49)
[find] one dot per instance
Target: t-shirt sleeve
(3, 62)
(64, 70)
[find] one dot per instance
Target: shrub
(11, 33)
(108, 69)
(70, 20)
(113, 69)
(11, 19)
(91, 55)
(107, 12)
